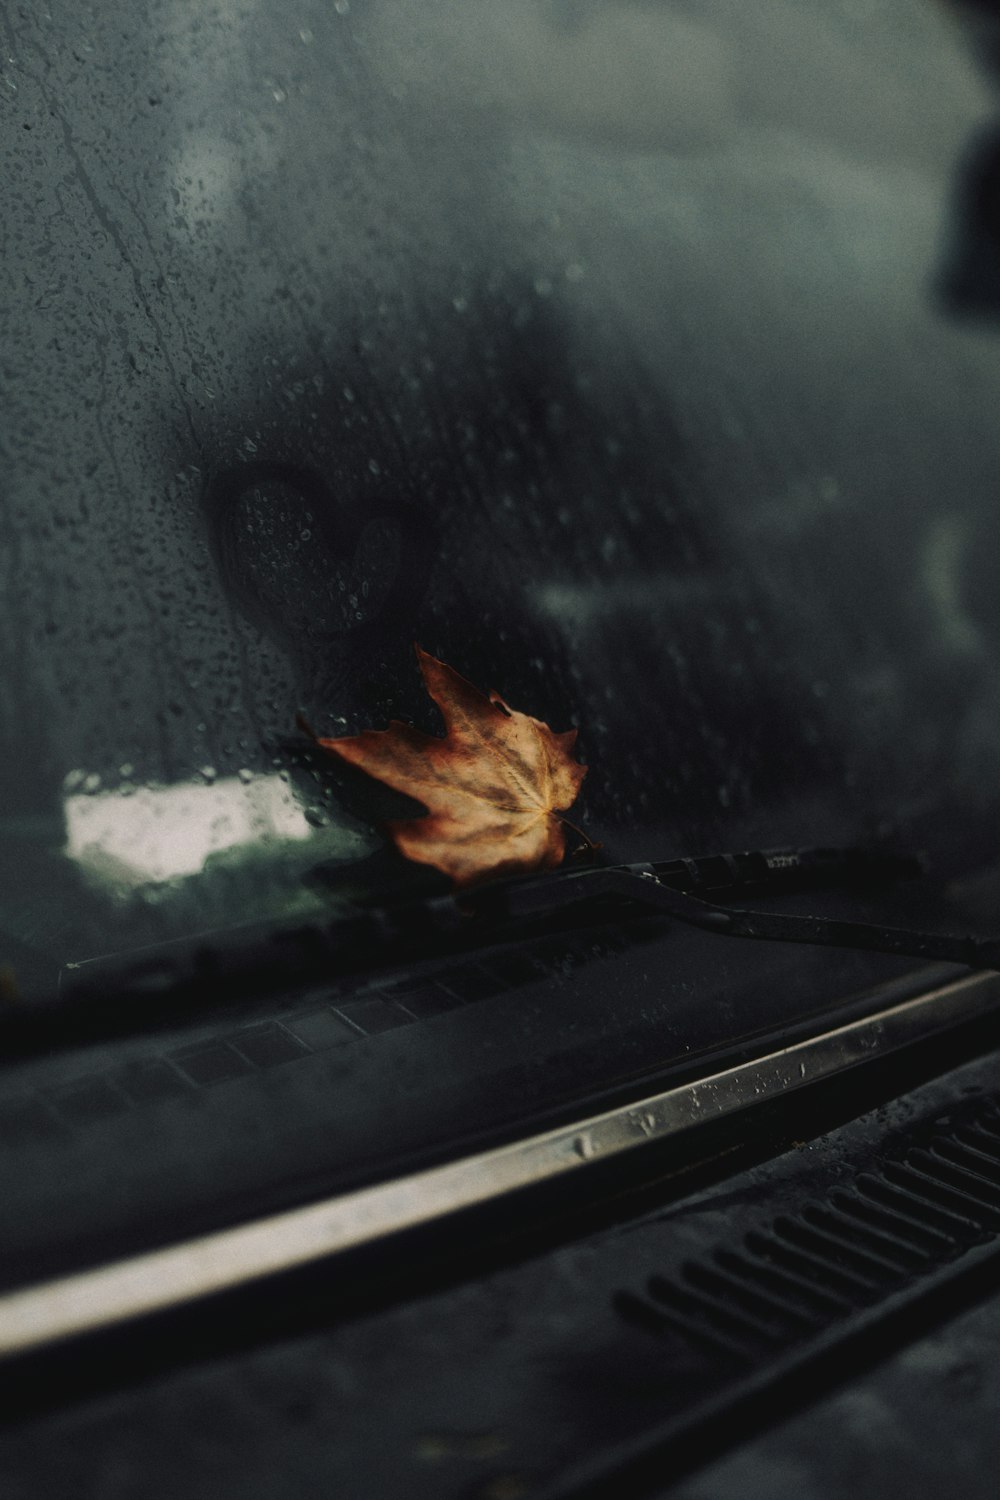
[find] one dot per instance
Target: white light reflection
(159, 833)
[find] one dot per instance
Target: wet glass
(633, 358)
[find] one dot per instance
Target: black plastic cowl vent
(803, 1274)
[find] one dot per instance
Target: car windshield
(633, 358)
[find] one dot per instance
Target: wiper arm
(642, 884)
(165, 985)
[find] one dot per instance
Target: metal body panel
(104, 1296)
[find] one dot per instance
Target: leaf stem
(587, 841)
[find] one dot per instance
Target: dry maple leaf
(493, 786)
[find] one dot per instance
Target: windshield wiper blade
(643, 885)
(166, 985)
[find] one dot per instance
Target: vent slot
(981, 1141)
(970, 1184)
(825, 1275)
(841, 1253)
(675, 1312)
(737, 1327)
(910, 1206)
(933, 1195)
(796, 1293)
(777, 1312)
(924, 1246)
(803, 1272)
(885, 1258)
(969, 1160)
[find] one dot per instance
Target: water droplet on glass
(584, 1147)
(208, 773)
(460, 304)
(374, 467)
(341, 6)
(245, 775)
(305, 36)
(92, 783)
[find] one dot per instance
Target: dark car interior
(640, 359)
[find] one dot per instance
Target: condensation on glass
(600, 346)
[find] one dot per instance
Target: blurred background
(637, 358)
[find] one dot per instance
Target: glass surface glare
(161, 832)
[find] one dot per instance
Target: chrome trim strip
(36, 1316)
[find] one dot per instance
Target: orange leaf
(492, 786)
